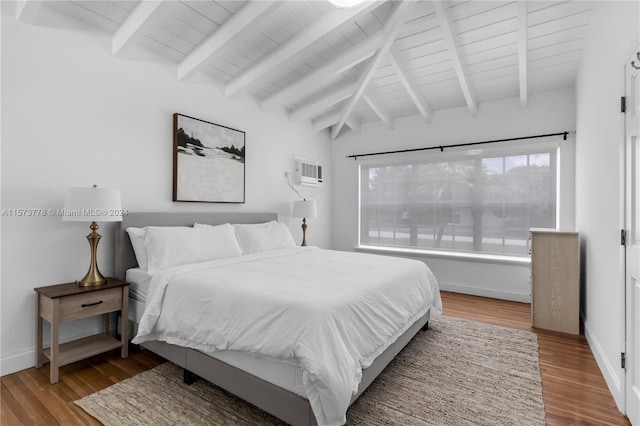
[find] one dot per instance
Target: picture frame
(208, 161)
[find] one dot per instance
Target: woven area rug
(457, 373)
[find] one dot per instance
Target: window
(461, 201)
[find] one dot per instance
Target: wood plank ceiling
(340, 68)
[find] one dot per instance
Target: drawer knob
(84, 305)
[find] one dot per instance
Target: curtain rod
(442, 147)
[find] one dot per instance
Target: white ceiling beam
(347, 59)
(522, 51)
(389, 32)
(329, 120)
(26, 10)
(131, 27)
(379, 108)
(324, 25)
(334, 129)
(410, 85)
(322, 103)
(353, 124)
(447, 31)
(325, 121)
(241, 21)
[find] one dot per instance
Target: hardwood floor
(29, 399)
(573, 388)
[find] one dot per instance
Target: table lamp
(92, 205)
(304, 209)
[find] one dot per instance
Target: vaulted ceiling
(340, 68)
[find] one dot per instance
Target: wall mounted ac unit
(308, 173)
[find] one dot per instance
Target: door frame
(630, 184)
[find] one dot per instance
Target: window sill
(433, 254)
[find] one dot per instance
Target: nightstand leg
(39, 356)
(124, 323)
(55, 327)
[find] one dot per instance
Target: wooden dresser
(555, 280)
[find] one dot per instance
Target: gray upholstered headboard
(125, 257)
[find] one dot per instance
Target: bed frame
(273, 399)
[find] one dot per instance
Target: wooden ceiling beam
(324, 25)
(450, 38)
(322, 103)
(389, 32)
(249, 15)
(522, 51)
(131, 27)
(326, 72)
(379, 108)
(410, 85)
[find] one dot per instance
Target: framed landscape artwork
(208, 161)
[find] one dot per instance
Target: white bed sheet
(331, 312)
(139, 282)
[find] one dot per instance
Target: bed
(288, 382)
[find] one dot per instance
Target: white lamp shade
(92, 205)
(305, 208)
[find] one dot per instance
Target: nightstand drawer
(85, 305)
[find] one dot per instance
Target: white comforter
(331, 312)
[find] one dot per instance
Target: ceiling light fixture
(345, 4)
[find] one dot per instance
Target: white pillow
(136, 235)
(255, 238)
(174, 246)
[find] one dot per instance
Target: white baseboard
(607, 369)
(494, 293)
(17, 361)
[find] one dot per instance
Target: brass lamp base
(304, 232)
(93, 277)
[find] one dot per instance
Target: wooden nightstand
(70, 302)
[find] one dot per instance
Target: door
(632, 225)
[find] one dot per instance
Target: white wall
(74, 115)
(548, 112)
(613, 35)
